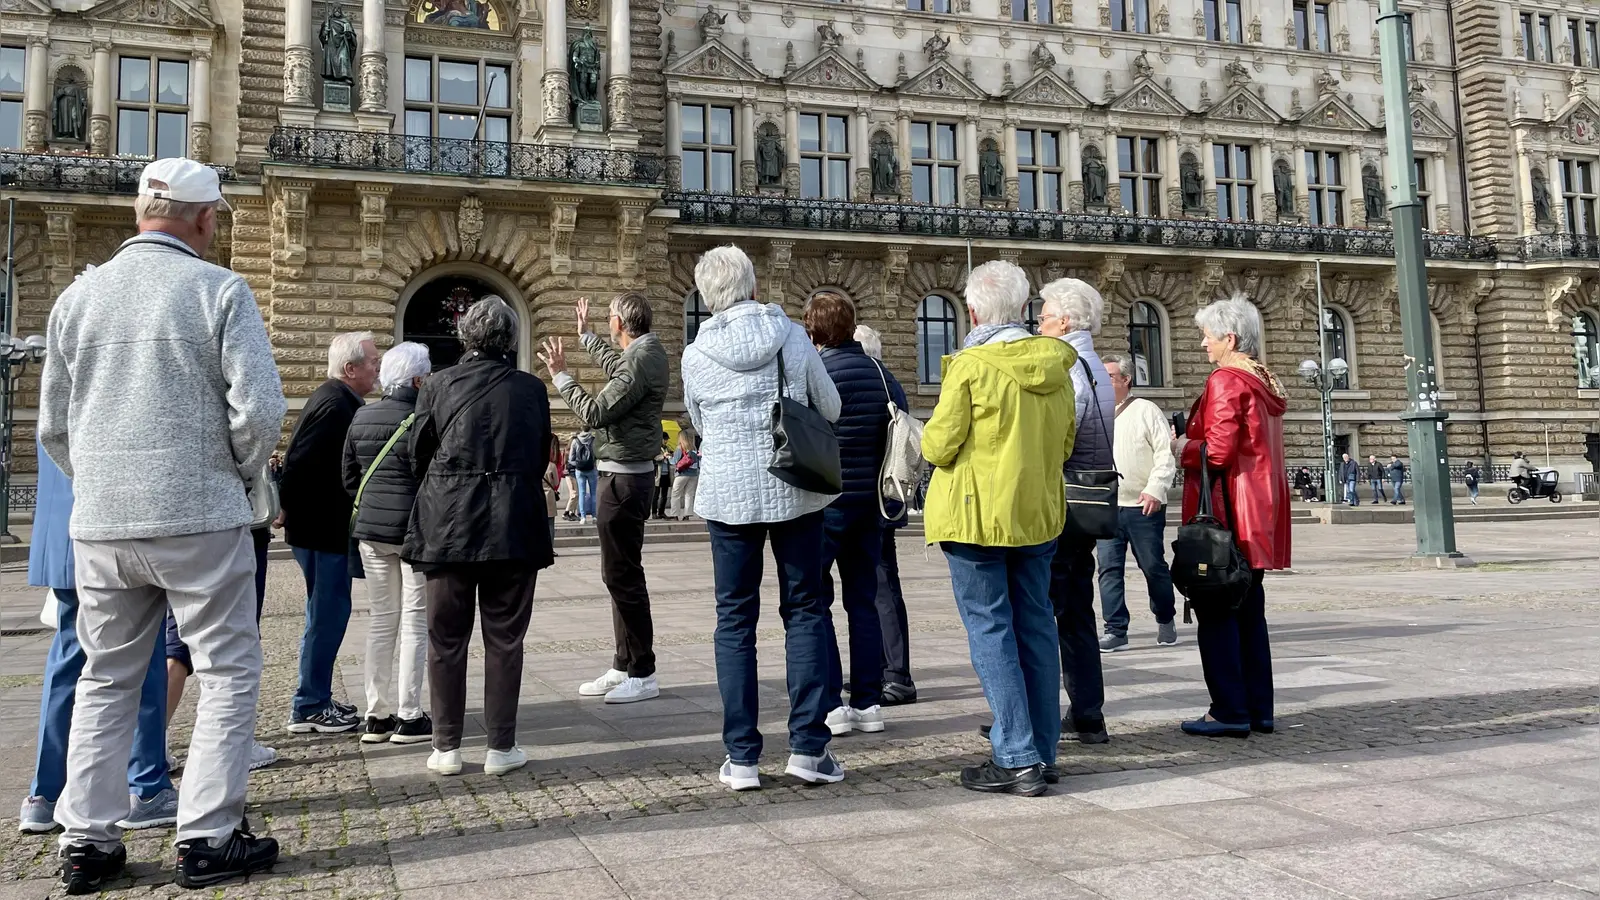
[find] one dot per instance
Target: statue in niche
(769, 155)
(1094, 177)
(583, 67)
(991, 174)
(1191, 184)
(338, 47)
(1541, 199)
(1372, 193)
(885, 168)
(70, 108)
(1283, 188)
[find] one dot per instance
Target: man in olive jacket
(626, 419)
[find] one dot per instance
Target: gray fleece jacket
(161, 398)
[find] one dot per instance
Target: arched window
(1146, 346)
(1030, 314)
(936, 336)
(695, 313)
(1336, 343)
(1586, 347)
(431, 315)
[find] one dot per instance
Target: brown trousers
(504, 593)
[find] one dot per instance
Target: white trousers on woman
(683, 488)
(399, 607)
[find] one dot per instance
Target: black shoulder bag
(805, 451)
(1091, 494)
(1207, 565)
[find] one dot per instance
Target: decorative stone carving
(200, 141)
(619, 100)
(34, 124)
(896, 261)
(297, 76)
(789, 64)
(630, 227)
(556, 98)
(788, 17)
(1141, 65)
(374, 212)
(563, 222)
(936, 48)
(469, 223)
(710, 25)
(292, 206)
(1254, 31)
(1110, 271)
(828, 37)
(61, 232)
(1237, 73)
(745, 13)
(99, 135)
(834, 266)
(780, 258)
(374, 83)
(1327, 85)
(1206, 281)
(1577, 85)
(1041, 58)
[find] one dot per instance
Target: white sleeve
(1160, 439)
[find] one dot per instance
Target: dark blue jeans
(852, 536)
(802, 604)
(147, 766)
(1072, 596)
(1237, 658)
(1002, 594)
(327, 616)
(892, 616)
(1377, 489)
(1399, 493)
(1143, 533)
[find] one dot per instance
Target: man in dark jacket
(852, 525)
(1397, 479)
(1349, 474)
(479, 447)
(626, 418)
(1375, 478)
(316, 523)
(378, 474)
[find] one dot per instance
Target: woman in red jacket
(1238, 421)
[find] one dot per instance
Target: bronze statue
(1541, 199)
(991, 174)
(338, 47)
(583, 67)
(1283, 188)
(885, 168)
(70, 110)
(769, 155)
(1191, 184)
(1094, 178)
(1372, 193)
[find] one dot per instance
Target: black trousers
(624, 508)
(1072, 572)
(504, 594)
(892, 616)
(663, 496)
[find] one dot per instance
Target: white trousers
(124, 589)
(395, 593)
(683, 490)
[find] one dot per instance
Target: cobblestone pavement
(1439, 736)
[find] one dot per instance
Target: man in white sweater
(1143, 448)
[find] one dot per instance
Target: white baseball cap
(183, 180)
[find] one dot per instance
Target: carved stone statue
(1283, 188)
(711, 24)
(1191, 184)
(828, 37)
(1094, 177)
(1142, 67)
(1541, 199)
(1372, 193)
(70, 109)
(583, 66)
(769, 155)
(1043, 59)
(991, 174)
(338, 47)
(936, 47)
(1326, 83)
(1237, 73)
(885, 167)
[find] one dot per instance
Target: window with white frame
(1586, 348)
(695, 314)
(1584, 36)
(13, 70)
(1591, 42)
(443, 97)
(152, 107)
(1224, 20)
(1146, 345)
(1236, 182)
(1336, 331)
(1325, 186)
(1313, 25)
(936, 336)
(1547, 43)
(1039, 170)
(1580, 195)
(824, 156)
(1419, 177)
(935, 165)
(707, 148)
(1139, 168)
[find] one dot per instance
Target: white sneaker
(634, 689)
(822, 769)
(261, 756)
(499, 762)
(841, 721)
(602, 685)
(740, 778)
(445, 762)
(869, 720)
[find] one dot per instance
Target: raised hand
(583, 315)
(554, 354)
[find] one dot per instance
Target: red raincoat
(1239, 416)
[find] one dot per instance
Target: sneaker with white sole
(1113, 643)
(842, 721)
(822, 769)
(332, 720)
(445, 762)
(1167, 633)
(869, 720)
(602, 686)
(500, 762)
(261, 756)
(740, 778)
(38, 816)
(634, 689)
(157, 812)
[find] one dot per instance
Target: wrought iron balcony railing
(1543, 247)
(453, 156)
(77, 174)
(940, 221)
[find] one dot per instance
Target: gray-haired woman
(481, 446)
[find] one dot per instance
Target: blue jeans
(852, 536)
(1472, 490)
(588, 483)
(1399, 496)
(1144, 534)
(803, 606)
(327, 616)
(1377, 490)
(1350, 494)
(1072, 597)
(1003, 595)
(147, 766)
(1236, 656)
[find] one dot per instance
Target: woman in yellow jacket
(1003, 428)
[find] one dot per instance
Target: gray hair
(725, 276)
(346, 350)
(633, 308)
(145, 208)
(488, 326)
(402, 363)
(1076, 301)
(996, 292)
(1120, 360)
(871, 342)
(1236, 316)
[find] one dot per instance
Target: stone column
(860, 155)
(1108, 146)
(1073, 201)
(297, 53)
(200, 106)
(619, 87)
(1302, 195)
(791, 143)
(675, 142)
(374, 92)
(902, 130)
(1208, 171)
(1439, 185)
(36, 96)
(556, 89)
(747, 144)
(1009, 150)
(971, 194)
(1172, 186)
(100, 101)
(1524, 190)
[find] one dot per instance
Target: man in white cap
(161, 400)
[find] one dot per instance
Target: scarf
(980, 335)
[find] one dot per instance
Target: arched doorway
(432, 304)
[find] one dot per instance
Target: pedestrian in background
(1375, 479)
(580, 455)
(898, 686)
(1349, 473)
(1397, 479)
(663, 495)
(552, 486)
(685, 475)
(1469, 475)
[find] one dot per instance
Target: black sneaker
(86, 868)
(1052, 774)
(989, 778)
(332, 720)
(376, 730)
(413, 731)
(202, 865)
(895, 694)
(347, 708)
(1095, 734)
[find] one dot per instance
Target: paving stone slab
(1391, 868)
(1218, 877)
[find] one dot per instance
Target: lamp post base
(9, 538)
(1452, 560)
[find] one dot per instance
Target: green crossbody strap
(405, 425)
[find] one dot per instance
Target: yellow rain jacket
(1004, 425)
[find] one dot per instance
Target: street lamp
(1312, 373)
(16, 353)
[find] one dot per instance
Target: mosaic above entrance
(458, 14)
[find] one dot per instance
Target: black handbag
(1208, 567)
(1091, 494)
(805, 451)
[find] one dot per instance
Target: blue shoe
(1261, 726)
(159, 811)
(1205, 727)
(822, 769)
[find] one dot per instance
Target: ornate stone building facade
(390, 161)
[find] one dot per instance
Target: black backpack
(581, 456)
(1207, 565)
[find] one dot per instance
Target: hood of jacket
(1255, 377)
(1036, 366)
(745, 336)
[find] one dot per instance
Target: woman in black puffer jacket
(395, 591)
